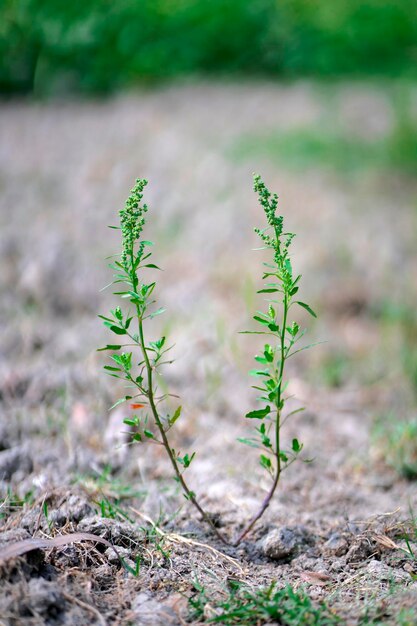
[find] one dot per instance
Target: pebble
(285, 543)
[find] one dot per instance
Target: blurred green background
(49, 46)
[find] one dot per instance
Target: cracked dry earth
(337, 524)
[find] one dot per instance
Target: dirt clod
(149, 611)
(285, 543)
(16, 460)
(336, 544)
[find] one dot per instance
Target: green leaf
(158, 312)
(296, 446)
(261, 320)
(109, 347)
(175, 416)
(186, 460)
(131, 422)
(120, 401)
(153, 266)
(259, 413)
(265, 462)
(248, 442)
(148, 434)
(115, 329)
(111, 369)
(307, 308)
(267, 290)
(258, 373)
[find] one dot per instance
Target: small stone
(150, 612)
(336, 545)
(359, 551)
(113, 558)
(381, 571)
(284, 543)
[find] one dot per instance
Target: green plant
(11, 502)
(396, 441)
(141, 376)
(329, 145)
(242, 605)
(283, 335)
(152, 423)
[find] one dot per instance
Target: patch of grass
(405, 617)
(402, 320)
(334, 369)
(112, 510)
(396, 442)
(110, 486)
(327, 145)
(252, 607)
(11, 502)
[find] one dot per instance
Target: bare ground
(65, 169)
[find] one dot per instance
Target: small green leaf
(116, 329)
(130, 422)
(157, 312)
(265, 462)
(261, 320)
(111, 369)
(258, 373)
(307, 308)
(148, 434)
(248, 442)
(272, 290)
(174, 417)
(259, 413)
(296, 446)
(120, 401)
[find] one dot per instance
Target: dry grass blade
(18, 548)
(386, 542)
(175, 538)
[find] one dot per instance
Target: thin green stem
(179, 475)
(267, 500)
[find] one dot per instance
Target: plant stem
(179, 476)
(267, 500)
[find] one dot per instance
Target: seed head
(132, 219)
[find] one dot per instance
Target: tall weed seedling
(282, 335)
(141, 375)
(151, 423)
